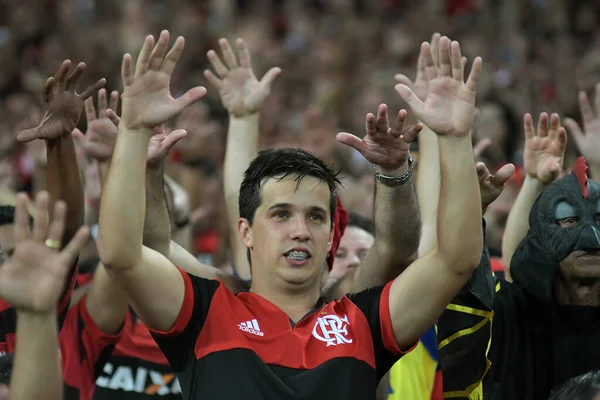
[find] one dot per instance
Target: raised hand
(32, 279)
(544, 153)
(384, 146)
(449, 109)
(99, 140)
(63, 104)
(420, 86)
(492, 185)
(241, 92)
(147, 100)
(588, 139)
(160, 143)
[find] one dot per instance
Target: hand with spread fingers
(449, 109)
(492, 185)
(420, 86)
(147, 100)
(33, 278)
(241, 92)
(588, 138)
(63, 104)
(101, 135)
(384, 146)
(545, 152)
(160, 143)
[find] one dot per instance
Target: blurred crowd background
(339, 58)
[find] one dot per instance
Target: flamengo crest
(332, 329)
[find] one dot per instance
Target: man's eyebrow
(279, 205)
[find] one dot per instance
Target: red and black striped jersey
(137, 369)
(84, 349)
(226, 346)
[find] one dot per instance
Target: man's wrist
(33, 317)
(396, 172)
(251, 117)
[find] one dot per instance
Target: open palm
(241, 92)
(32, 279)
(544, 153)
(63, 104)
(147, 100)
(449, 109)
(588, 138)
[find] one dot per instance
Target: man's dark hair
(6, 366)
(582, 387)
(279, 163)
(7, 216)
(360, 222)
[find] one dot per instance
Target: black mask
(536, 260)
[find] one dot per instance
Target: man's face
(581, 263)
(7, 241)
(291, 233)
(353, 247)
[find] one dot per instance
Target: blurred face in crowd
(291, 233)
(354, 245)
(491, 124)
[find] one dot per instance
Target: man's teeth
(297, 255)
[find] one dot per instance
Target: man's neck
(577, 293)
(296, 304)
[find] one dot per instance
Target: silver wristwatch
(394, 181)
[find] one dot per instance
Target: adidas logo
(251, 327)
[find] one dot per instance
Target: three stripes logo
(251, 327)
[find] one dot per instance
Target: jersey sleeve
(374, 304)
(84, 348)
(178, 343)
(464, 332)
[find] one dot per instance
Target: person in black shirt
(280, 340)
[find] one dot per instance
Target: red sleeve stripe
(187, 308)
(385, 320)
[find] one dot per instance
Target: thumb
(503, 174)
(27, 135)
(403, 79)
(270, 77)
(480, 146)
(350, 140)
(410, 98)
(575, 129)
(172, 138)
(78, 135)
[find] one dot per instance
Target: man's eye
(280, 215)
(570, 222)
(315, 217)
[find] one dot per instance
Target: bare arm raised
(32, 279)
(397, 220)
(543, 159)
(420, 294)
(143, 274)
(243, 95)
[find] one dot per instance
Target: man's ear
(245, 232)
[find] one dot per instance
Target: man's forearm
(460, 238)
(242, 148)
(36, 373)
(122, 208)
(65, 182)
(517, 223)
(428, 189)
(157, 224)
